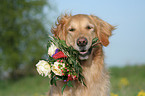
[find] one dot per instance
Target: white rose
(52, 49)
(43, 68)
(56, 69)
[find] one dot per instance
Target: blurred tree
(22, 34)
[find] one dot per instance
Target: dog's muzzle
(82, 42)
(84, 52)
(84, 55)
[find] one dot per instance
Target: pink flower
(68, 75)
(61, 61)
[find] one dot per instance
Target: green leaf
(94, 40)
(51, 81)
(69, 83)
(54, 81)
(95, 46)
(70, 61)
(63, 87)
(63, 43)
(84, 83)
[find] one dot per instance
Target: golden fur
(96, 76)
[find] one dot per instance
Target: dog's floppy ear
(59, 30)
(103, 29)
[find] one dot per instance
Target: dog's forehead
(80, 19)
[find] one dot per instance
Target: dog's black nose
(82, 41)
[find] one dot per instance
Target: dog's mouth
(84, 54)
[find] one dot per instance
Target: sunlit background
(26, 24)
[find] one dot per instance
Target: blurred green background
(24, 29)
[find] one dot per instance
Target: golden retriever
(78, 31)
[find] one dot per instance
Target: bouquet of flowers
(63, 63)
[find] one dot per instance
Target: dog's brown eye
(72, 29)
(88, 27)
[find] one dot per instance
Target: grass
(135, 76)
(28, 86)
(39, 86)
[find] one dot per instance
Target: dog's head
(79, 30)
